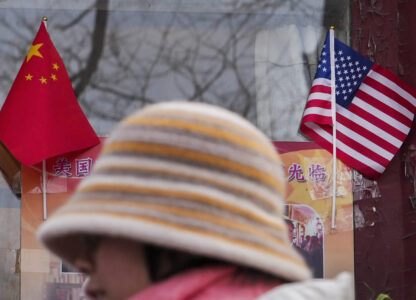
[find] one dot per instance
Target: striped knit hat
(187, 176)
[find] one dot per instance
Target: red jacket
(208, 283)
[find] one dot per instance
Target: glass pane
(256, 58)
(9, 242)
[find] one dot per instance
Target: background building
(257, 58)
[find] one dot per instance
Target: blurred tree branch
(98, 40)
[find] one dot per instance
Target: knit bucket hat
(186, 176)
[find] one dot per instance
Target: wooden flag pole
(44, 171)
(334, 126)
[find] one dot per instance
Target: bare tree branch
(98, 40)
(77, 19)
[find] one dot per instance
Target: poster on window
(44, 276)
(308, 168)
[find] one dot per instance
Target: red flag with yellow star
(41, 117)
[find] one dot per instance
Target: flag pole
(334, 125)
(44, 173)
(44, 178)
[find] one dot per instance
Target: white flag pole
(334, 125)
(44, 178)
(44, 173)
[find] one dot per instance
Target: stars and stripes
(374, 110)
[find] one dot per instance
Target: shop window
(256, 58)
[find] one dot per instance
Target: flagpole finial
(44, 19)
(332, 27)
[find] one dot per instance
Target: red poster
(43, 276)
(309, 173)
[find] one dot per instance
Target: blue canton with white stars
(350, 70)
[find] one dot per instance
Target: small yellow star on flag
(43, 80)
(28, 77)
(34, 51)
(53, 76)
(55, 66)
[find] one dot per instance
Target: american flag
(374, 110)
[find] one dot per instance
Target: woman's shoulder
(339, 288)
(213, 282)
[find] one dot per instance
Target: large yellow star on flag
(34, 51)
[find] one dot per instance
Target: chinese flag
(41, 117)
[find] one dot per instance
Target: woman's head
(185, 176)
(119, 268)
(116, 268)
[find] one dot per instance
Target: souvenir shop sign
(42, 273)
(308, 170)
